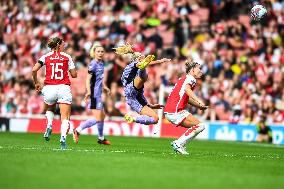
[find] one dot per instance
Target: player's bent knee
(156, 119)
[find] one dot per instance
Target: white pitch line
(141, 152)
(242, 155)
(69, 149)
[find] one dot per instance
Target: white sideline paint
(69, 149)
(141, 152)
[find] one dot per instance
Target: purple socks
(91, 122)
(146, 120)
(100, 125)
(88, 123)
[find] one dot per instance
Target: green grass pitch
(27, 161)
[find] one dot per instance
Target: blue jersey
(96, 69)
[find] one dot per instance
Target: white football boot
(179, 148)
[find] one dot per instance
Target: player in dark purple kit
(95, 86)
(133, 78)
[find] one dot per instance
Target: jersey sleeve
(71, 64)
(133, 64)
(92, 68)
(41, 60)
(190, 81)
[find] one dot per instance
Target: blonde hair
(124, 49)
(93, 48)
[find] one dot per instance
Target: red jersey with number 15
(178, 99)
(57, 66)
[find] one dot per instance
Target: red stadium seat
(194, 20)
(203, 14)
(168, 37)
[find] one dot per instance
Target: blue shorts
(135, 98)
(96, 103)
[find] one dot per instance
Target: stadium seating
(210, 33)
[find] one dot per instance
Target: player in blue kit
(133, 78)
(95, 84)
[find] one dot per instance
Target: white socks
(65, 127)
(101, 137)
(49, 117)
(79, 129)
(191, 133)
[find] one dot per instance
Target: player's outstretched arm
(35, 69)
(156, 106)
(193, 99)
(163, 60)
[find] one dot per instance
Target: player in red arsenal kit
(56, 88)
(175, 112)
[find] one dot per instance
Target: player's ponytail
(93, 49)
(124, 49)
(126, 52)
(189, 64)
(54, 43)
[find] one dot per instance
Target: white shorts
(60, 94)
(177, 118)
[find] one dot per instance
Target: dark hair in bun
(190, 64)
(54, 42)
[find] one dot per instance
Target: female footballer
(95, 85)
(133, 78)
(56, 86)
(180, 96)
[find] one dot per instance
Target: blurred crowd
(243, 60)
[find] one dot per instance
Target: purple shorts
(96, 103)
(135, 98)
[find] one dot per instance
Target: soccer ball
(258, 12)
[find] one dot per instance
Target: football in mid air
(258, 12)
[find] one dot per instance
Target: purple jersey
(130, 72)
(134, 97)
(96, 69)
